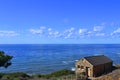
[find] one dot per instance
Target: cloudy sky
(59, 21)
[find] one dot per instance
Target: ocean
(47, 58)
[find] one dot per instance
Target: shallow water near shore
(47, 58)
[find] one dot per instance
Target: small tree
(5, 60)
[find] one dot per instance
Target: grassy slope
(59, 75)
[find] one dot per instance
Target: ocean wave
(67, 62)
(73, 68)
(76, 60)
(118, 54)
(97, 54)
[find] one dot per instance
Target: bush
(1, 74)
(55, 74)
(14, 76)
(5, 59)
(23, 76)
(62, 72)
(19, 74)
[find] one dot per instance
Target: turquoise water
(47, 58)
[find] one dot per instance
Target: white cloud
(53, 33)
(82, 31)
(38, 31)
(43, 31)
(7, 33)
(98, 28)
(100, 34)
(69, 30)
(56, 34)
(49, 29)
(69, 33)
(116, 32)
(96, 32)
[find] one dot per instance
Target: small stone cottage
(94, 66)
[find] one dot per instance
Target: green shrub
(1, 74)
(5, 59)
(62, 72)
(19, 74)
(14, 76)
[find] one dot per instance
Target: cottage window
(78, 66)
(82, 67)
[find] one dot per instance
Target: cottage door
(88, 71)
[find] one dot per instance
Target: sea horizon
(60, 43)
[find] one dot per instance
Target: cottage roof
(96, 60)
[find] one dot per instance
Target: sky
(59, 21)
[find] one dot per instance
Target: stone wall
(81, 65)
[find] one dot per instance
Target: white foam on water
(73, 69)
(76, 60)
(65, 62)
(118, 54)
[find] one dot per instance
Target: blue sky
(59, 21)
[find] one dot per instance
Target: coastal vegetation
(58, 75)
(5, 59)
(52, 76)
